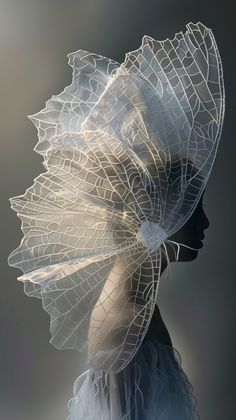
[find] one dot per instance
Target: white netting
(128, 150)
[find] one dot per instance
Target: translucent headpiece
(128, 150)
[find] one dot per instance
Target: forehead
(201, 198)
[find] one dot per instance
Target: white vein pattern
(128, 149)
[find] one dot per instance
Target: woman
(153, 385)
(128, 150)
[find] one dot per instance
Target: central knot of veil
(127, 150)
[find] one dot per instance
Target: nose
(204, 221)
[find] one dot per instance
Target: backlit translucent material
(128, 150)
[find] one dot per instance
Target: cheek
(181, 235)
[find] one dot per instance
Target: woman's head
(165, 193)
(178, 183)
(190, 235)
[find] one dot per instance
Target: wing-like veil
(128, 149)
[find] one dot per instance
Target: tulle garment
(152, 386)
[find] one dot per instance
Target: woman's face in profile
(191, 234)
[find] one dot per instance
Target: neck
(164, 263)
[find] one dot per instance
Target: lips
(200, 238)
(197, 243)
(197, 240)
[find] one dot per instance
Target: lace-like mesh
(127, 151)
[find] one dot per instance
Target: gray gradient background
(198, 305)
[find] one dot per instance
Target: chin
(188, 255)
(185, 254)
(192, 257)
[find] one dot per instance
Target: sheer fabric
(128, 149)
(152, 387)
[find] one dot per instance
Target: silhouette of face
(191, 234)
